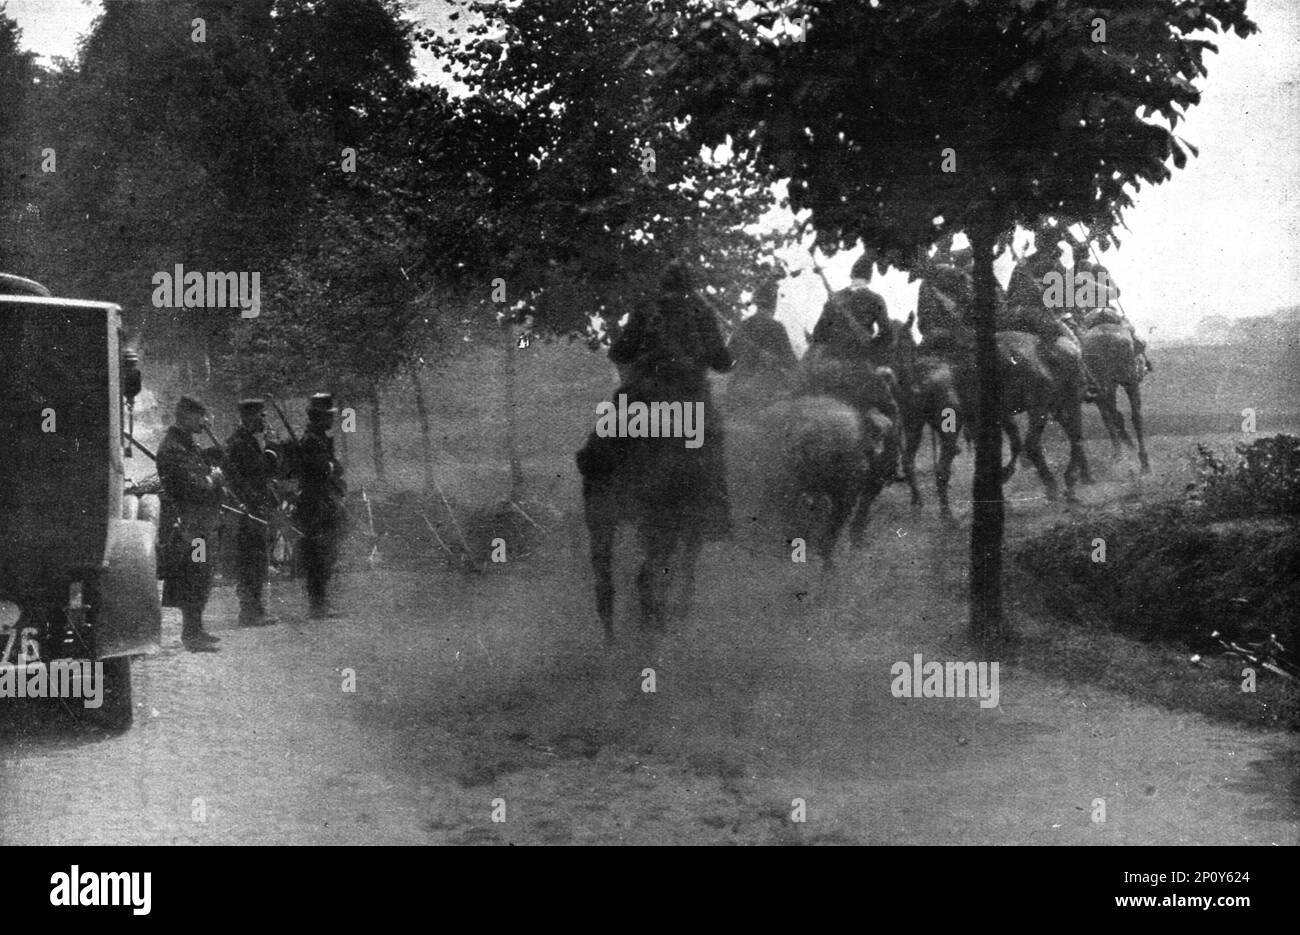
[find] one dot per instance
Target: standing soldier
(250, 469)
(320, 510)
(191, 505)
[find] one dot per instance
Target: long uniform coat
(250, 468)
(848, 319)
(840, 360)
(1025, 309)
(761, 345)
(320, 512)
(665, 354)
(191, 509)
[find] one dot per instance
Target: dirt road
(491, 696)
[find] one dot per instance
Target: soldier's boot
(193, 636)
(318, 606)
(252, 613)
(252, 609)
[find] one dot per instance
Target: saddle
(1102, 316)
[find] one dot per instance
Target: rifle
(148, 454)
(280, 412)
(242, 509)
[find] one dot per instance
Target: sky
(1221, 238)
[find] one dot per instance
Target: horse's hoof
(1146, 469)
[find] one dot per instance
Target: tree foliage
(572, 186)
(1043, 118)
(899, 122)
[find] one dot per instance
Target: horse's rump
(1110, 355)
(933, 388)
(824, 442)
(659, 479)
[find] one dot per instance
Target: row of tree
(586, 143)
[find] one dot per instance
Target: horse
(1040, 376)
(836, 447)
(930, 397)
(1110, 355)
(659, 486)
(1041, 380)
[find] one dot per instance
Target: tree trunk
(426, 435)
(377, 435)
(987, 517)
(512, 405)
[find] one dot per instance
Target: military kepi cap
(321, 404)
(252, 406)
(190, 404)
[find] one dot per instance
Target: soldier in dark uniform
(191, 505)
(761, 344)
(319, 512)
(1091, 276)
(250, 468)
(947, 291)
(1033, 276)
(665, 352)
(1027, 310)
(852, 317)
(841, 357)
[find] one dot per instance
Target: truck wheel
(116, 712)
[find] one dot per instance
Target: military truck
(78, 580)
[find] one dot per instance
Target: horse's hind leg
(841, 506)
(943, 470)
(693, 544)
(1014, 443)
(858, 528)
(1034, 451)
(658, 543)
(1070, 418)
(1134, 391)
(602, 563)
(915, 431)
(1110, 418)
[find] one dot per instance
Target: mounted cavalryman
(665, 352)
(842, 353)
